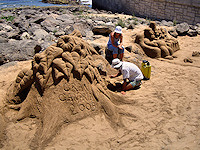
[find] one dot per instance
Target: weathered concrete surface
(176, 10)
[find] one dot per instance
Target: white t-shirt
(131, 71)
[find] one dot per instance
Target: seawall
(174, 10)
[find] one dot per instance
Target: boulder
(173, 32)
(3, 59)
(3, 40)
(167, 23)
(192, 33)
(39, 34)
(182, 28)
(24, 36)
(102, 30)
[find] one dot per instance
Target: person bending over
(130, 72)
(115, 43)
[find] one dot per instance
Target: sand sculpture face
(156, 43)
(64, 85)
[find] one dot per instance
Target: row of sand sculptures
(64, 85)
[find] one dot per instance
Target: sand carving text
(64, 85)
(156, 43)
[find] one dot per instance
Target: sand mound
(63, 86)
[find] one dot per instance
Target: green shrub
(174, 22)
(120, 23)
(9, 18)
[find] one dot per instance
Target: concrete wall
(177, 10)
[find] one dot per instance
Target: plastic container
(146, 69)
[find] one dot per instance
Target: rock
(68, 29)
(38, 20)
(99, 23)
(59, 33)
(3, 40)
(66, 18)
(14, 35)
(6, 27)
(167, 23)
(198, 30)
(192, 33)
(182, 28)
(173, 32)
(102, 30)
(3, 59)
(50, 23)
(193, 27)
(198, 24)
(24, 36)
(39, 34)
(82, 27)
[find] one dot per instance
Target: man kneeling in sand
(129, 71)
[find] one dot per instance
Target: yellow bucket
(146, 69)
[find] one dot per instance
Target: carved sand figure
(63, 86)
(156, 43)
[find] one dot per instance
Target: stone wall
(174, 10)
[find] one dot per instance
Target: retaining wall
(174, 10)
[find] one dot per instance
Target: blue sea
(20, 3)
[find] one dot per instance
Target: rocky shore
(26, 31)
(71, 2)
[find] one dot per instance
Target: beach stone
(3, 59)
(182, 28)
(167, 23)
(99, 23)
(6, 27)
(14, 35)
(193, 27)
(82, 27)
(103, 30)
(50, 23)
(3, 40)
(59, 33)
(68, 29)
(192, 33)
(66, 18)
(25, 35)
(38, 20)
(173, 32)
(198, 31)
(39, 34)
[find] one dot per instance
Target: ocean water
(20, 3)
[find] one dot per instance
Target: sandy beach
(166, 109)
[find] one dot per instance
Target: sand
(166, 109)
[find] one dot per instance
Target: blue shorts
(135, 83)
(115, 50)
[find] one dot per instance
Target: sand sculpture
(63, 86)
(156, 43)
